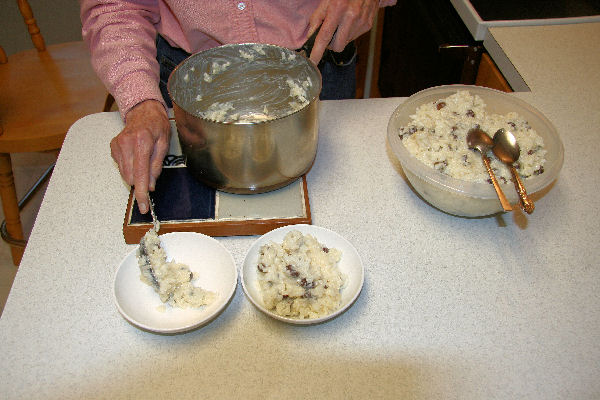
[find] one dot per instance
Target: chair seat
(39, 101)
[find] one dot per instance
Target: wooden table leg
(10, 205)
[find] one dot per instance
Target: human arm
(340, 22)
(121, 37)
(140, 148)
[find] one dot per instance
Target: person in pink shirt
(124, 38)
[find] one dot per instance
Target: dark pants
(339, 76)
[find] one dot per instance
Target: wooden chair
(43, 91)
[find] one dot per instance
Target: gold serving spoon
(507, 150)
(481, 141)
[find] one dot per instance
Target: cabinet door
(413, 34)
(490, 76)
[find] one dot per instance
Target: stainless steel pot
(247, 116)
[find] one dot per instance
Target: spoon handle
(155, 222)
(524, 200)
(503, 200)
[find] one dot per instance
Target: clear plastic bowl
(463, 198)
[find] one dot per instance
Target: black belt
(342, 58)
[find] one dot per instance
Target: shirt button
(241, 6)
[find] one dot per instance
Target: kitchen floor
(27, 168)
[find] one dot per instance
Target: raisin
(285, 296)
(539, 171)
(440, 165)
(307, 285)
(262, 267)
(143, 251)
(441, 105)
(470, 113)
(325, 249)
(292, 271)
(530, 152)
(512, 124)
(407, 132)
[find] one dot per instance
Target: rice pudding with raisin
(436, 135)
(299, 278)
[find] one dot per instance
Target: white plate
(208, 260)
(350, 264)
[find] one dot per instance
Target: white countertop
(505, 307)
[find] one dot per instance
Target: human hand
(341, 21)
(140, 148)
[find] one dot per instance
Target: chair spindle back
(32, 27)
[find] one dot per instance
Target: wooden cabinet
(489, 75)
(424, 44)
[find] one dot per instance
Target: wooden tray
(264, 212)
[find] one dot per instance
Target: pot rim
(312, 99)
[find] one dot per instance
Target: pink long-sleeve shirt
(121, 35)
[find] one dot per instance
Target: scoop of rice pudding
(299, 277)
(172, 281)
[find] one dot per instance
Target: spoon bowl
(478, 139)
(481, 141)
(506, 149)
